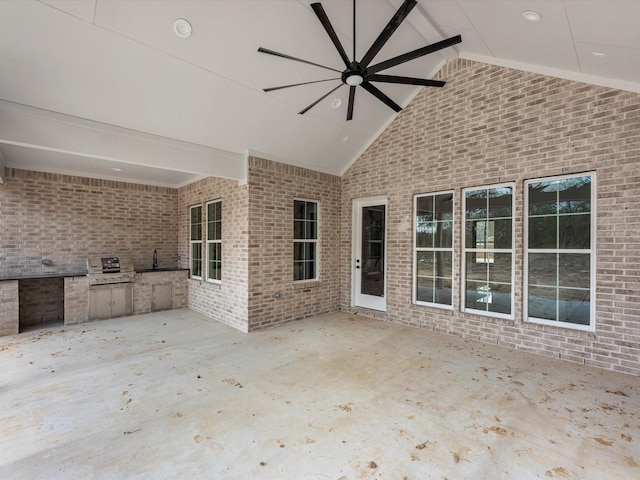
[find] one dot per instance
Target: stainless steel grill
(109, 270)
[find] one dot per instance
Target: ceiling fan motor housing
(354, 75)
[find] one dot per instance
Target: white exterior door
(369, 253)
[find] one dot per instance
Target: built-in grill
(109, 270)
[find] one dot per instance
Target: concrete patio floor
(175, 395)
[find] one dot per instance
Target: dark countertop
(35, 276)
(160, 270)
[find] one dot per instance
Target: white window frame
(214, 241)
(417, 249)
(512, 251)
(592, 252)
(193, 242)
(316, 241)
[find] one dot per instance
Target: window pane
(574, 306)
(311, 213)
(543, 269)
(543, 198)
(425, 289)
(500, 202)
(196, 259)
(476, 204)
(425, 265)
(444, 264)
(298, 251)
(444, 206)
(476, 295)
(310, 270)
(500, 268)
(443, 235)
(575, 231)
(298, 271)
(475, 234)
(196, 232)
(574, 270)
(499, 298)
(311, 233)
(298, 210)
(543, 232)
(476, 270)
(196, 214)
(443, 288)
(424, 209)
(298, 229)
(218, 231)
(310, 251)
(501, 234)
(542, 303)
(575, 195)
(424, 234)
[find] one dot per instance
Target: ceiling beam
(35, 128)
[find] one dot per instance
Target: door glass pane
(372, 242)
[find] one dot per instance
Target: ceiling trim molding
(555, 72)
(36, 128)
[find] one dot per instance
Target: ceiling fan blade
(434, 47)
(391, 27)
(302, 112)
(352, 98)
(322, 16)
(289, 57)
(381, 96)
(425, 82)
(271, 89)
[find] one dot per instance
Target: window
(433, 261)
(305, 240)
(488, 250)
(560, 251)
(214, 241)
(195, 238)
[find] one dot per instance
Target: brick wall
(9, 315)
(143, 289)
(66, 219)
(273, 187)
(489, 125)
(76, 300)
(227, 301)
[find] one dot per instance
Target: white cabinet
(110, 301)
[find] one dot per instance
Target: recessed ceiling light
(598, 54)
(336, 103)
(182, 28)
(532, 16)
(116, 169)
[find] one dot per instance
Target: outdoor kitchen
(109, 288)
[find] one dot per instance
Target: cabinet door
(99, 303)
(161, 297)
(121, 301)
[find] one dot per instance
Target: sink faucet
(155, 259)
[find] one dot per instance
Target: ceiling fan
(362, 72)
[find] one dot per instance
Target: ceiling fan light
(354, 80)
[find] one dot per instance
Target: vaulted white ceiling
(104, 88)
